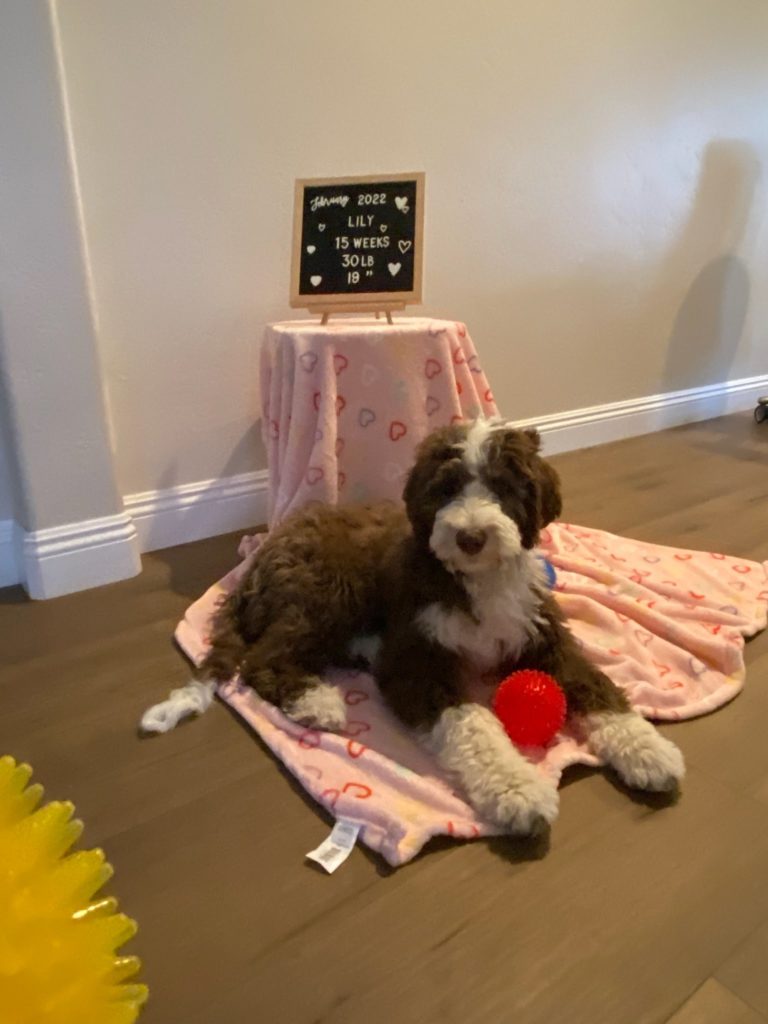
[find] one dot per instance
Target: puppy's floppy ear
(548, 482)
(433, 451)
(534, 437)
(550, 500)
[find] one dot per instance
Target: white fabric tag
(332, 853)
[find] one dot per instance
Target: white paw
(320, 706)
(528, 802)
(470, 743)
(640, 754)
(192, 699)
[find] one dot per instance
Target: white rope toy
(192, 699)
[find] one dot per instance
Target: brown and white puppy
(455, 591)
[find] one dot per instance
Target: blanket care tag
(332, 853)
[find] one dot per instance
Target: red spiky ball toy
(531, 707)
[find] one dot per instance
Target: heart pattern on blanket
(426, 373)
(330, 796)
(358, 790)
(309, 739)
(676, 672)
(354, 728)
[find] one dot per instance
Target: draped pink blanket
(667, 625)
(345, 404)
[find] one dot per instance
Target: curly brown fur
(312, 588)
(457, 593)
(554, 650)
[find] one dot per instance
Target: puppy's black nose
(471, 542)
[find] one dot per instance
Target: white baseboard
(81, 555)
(190, 512)
(77, 556)
(9, 570)
(615, 421)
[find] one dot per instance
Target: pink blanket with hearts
(665, 624)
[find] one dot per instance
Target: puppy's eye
(450, 479)
(450, 485)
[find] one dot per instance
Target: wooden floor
(636, 915)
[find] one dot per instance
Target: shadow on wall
(17, 507)
(708, 325)
(190, 580)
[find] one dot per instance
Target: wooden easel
(387, 309)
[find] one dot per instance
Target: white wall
(596, 188)
(71, 530)
(7, 486)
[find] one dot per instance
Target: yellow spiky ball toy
(58, 939)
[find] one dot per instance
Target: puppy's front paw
(640, 754)
(525, 805)
(321, 706)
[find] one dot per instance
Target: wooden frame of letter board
(359, 302)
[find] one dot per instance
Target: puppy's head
(478, 494)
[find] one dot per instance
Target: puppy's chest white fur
(506, 614)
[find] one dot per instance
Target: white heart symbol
(401, 202)
(382, 228)
(321, 227)
(310, 249)
(315, 280)
(394, 268)
(404, 246)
